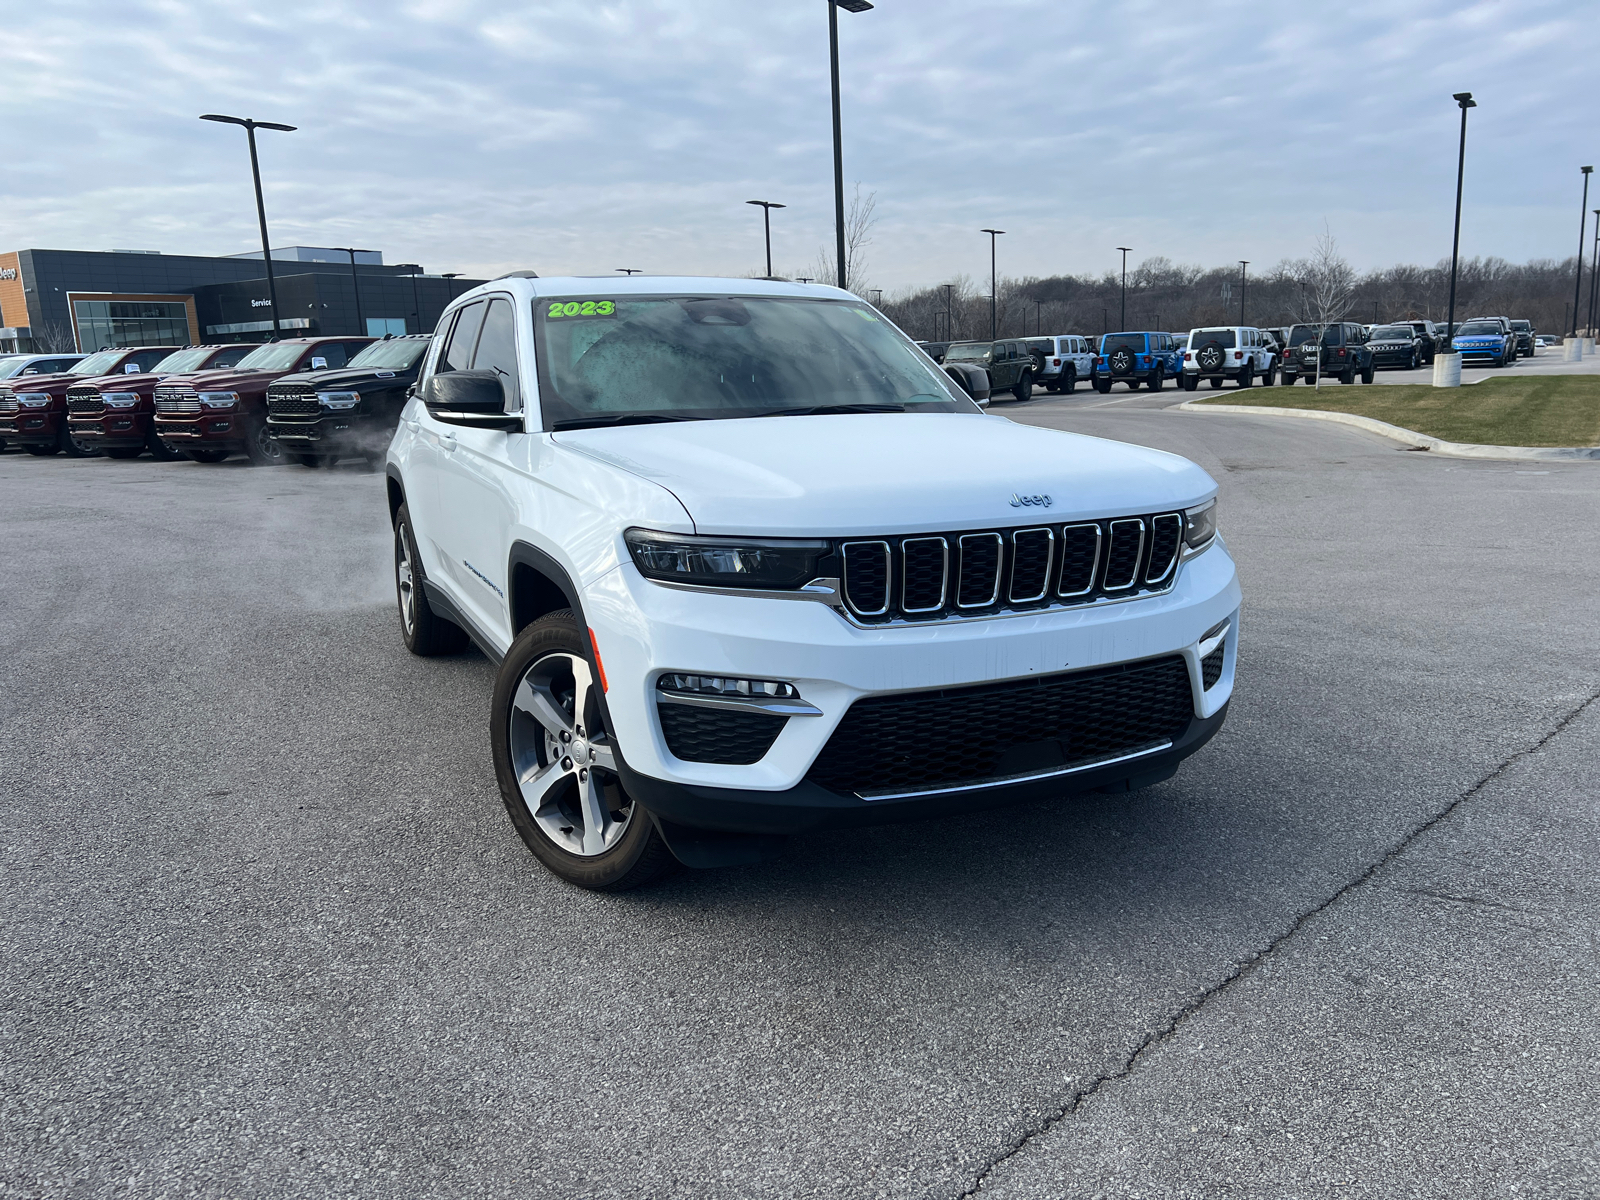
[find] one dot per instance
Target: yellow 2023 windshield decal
(561, 310)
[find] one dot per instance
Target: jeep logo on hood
(1030, 501)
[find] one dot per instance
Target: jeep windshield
(1480, 329)
(390, 356)
(968, 352)
(1208, 337)
(1392, 333)
(1122, 341)
(621, 360)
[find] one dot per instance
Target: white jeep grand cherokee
(751, 565)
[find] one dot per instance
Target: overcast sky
(577, 136)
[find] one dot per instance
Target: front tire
(159, 450)
(261, 447)
(425, 633)
(72, 447)
(557, 764)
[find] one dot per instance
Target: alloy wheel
(565, 764)
(405, 580)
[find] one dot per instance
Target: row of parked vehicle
(311, 400)
(1241, 354)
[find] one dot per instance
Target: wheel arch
(537, 585)
(397, 493)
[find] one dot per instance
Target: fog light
(220, 426)
(748, 695)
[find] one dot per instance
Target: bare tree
(1329, 285)
(859, 220)
(53, 338)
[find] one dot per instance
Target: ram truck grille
(933, 576)
(176, 400)
(8, 402)
(292, 400)
(85, 402)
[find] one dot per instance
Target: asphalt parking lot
(267, 931)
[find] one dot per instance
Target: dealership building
(64, 300)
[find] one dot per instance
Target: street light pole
(834, 6)
(877, 297)
(1583, 225)
(1038, 317)
(1124, 317)
(1594, 267)
(1465, 100)
(994, 293)
(250, 128)
(355, 281)
(949, 312)
(766, 224)
(1243, 263)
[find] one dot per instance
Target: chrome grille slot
(1080, 556)
(981, 558)
(1123, 555)
(1031, 553)
(867, 577)
(8, 402)
(1166, 534)
(925, 566)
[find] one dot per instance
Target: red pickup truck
(33, 410)
(217, 413)
(116, 413)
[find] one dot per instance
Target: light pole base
(1447, 370)
(1572, 350)
(1588, 346)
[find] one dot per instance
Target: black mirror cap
(469, 398)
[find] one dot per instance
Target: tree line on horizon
(1163, 295)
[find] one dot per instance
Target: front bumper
(1481, 353)
(1395, 358)
(645, 630)
(331, 433)
(213, 428)
(115, 428)
(31, 427)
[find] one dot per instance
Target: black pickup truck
(319, 417)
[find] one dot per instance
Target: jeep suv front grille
(925, 741)
(85, 402)
(292, 400)
(933, 576)
(176, 400)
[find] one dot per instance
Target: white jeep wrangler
(1241, 353)
(751, 565)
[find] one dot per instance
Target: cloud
(578, 137)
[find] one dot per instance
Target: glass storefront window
(104, 323)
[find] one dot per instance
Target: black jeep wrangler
(352, 412)
(1345, 356)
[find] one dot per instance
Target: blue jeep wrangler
(1135, 358)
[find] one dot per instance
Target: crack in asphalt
(1246, 967)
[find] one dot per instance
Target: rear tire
(1157, 380)
(1270, 377)
(1347, 376)
(425, 633)
(1024, 388)
(569, 808)
(1190, 383)
(1103, 386)
(1247, 377)
(1069, 380)
(1369, 373)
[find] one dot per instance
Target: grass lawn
(1548, 410)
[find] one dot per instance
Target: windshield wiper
(834, 408)
(615, 419)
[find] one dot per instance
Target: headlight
(338, 400)
(120, 399)
(219, 399)
(1199, 527)
(33, 399)
(724, 561)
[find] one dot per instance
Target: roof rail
(519, 275)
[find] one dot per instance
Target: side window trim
(441, 339)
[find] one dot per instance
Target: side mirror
(319, 364)
(476, 398)
(130, 368)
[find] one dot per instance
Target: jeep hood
(871, 473)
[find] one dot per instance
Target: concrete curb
(1410, 437)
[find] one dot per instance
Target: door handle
(447, 441)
